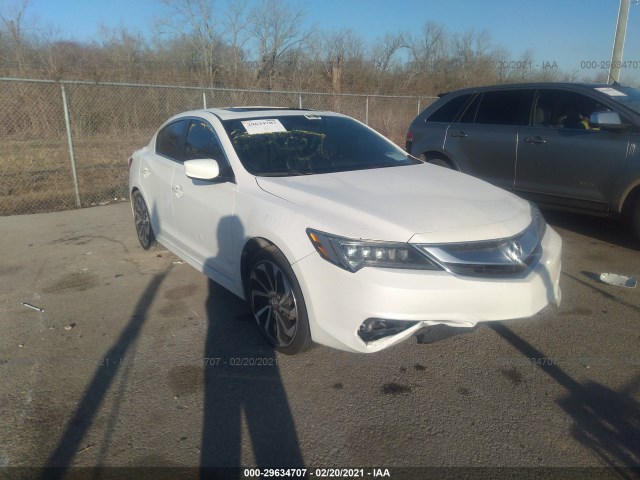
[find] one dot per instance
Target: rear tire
(635, 217)
(276, 301)
(440, 162)
(141, 216)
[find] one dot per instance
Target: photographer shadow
(245, 402)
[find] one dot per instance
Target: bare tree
(124, 48)
(337, 51)
(12, 21)
(384, 50)
(277, 30)
(236, 27)
(194, 21)
(429, 48)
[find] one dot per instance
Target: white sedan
(335, 235)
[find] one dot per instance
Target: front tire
(276, 301)
(141, 216)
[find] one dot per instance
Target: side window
(469, 115)
(447, 112)
(202, 142)
(563, 109)
(168, 142)
(508, 107)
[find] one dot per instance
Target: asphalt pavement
(114, 356)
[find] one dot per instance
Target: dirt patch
(78, 282)
(182, 291)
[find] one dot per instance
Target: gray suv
(564, 145)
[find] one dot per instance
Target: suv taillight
(409, 142)
(130, 162)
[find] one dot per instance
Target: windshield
(310, 144)
(625, 95)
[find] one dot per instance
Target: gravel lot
(138, 360)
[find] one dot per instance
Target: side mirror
(607, 121)
(202, 169)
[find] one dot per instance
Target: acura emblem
(513, 251)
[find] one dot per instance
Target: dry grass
(36, 175)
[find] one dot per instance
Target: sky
(572, 35)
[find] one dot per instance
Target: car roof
(510, 86)
(236, 113)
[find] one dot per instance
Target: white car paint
(208, 224)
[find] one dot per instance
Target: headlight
(504, 256)
(489, 258)
(538, 220)
(352, 254)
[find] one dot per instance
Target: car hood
(418, 203)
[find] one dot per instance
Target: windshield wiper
(291, 172)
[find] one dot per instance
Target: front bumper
(339, 301)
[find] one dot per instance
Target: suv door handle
(535, 140)
(459, 134)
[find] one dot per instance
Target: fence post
(366, 111)
(300, 101)
(70, 142)
(204, 99)
(418, 106)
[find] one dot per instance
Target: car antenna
(615, 83)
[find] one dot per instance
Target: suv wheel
(635, 217)
(441, 162)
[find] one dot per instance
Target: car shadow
(605, 229)
(605, 421)
(246, 410)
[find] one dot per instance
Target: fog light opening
(373, 329)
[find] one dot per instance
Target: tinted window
(449, 110)
(469, 115)
(509, 107)
(202, 142)
(169, 140)
(309, 144)
(562, 109)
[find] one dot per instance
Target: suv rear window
(510, 107)
(447, 112)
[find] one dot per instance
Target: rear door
(483, 142)
(562, 160)
(156, 175)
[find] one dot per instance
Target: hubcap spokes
(142, 220)
(273, 303)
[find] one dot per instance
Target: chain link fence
(66, 144)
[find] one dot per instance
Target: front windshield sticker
(270, 125)
(612, 92)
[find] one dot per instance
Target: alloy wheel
(143, 223)
(273, 303)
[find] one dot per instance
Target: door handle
(459, 134)
(146, 172)
(177, 190)
(535, 140)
